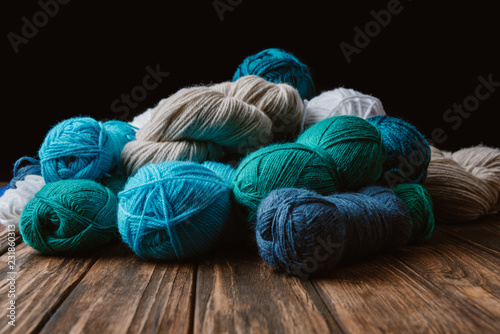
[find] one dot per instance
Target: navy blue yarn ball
(23, 167)
(306, 234)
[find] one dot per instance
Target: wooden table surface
(449, 285)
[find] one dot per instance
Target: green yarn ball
(354, 145)
(338, 154)
(279, 166)
(419, 204)
(69, 216)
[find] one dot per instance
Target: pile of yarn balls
(317, 180)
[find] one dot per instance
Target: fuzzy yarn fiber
(278, 66)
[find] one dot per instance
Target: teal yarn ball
(337, 154)
(83, 148)
(278, 66)
(408, 152)
(69, 216)
(419, 204)
(175, 210)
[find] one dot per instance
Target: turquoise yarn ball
(337, 154)
(69, 216)
(278, 66)
(408, 152)
(175, 210)
(83, 148)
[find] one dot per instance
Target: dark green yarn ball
(69, 216)
(354, 145)
(338, 154)
(419, 205)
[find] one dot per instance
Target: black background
(428, 58)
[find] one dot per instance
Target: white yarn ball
(13, 201)
(142, 119)
(341, 101)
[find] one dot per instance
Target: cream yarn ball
(464, 185)
(200, 123)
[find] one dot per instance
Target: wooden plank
(4, 240)
(483, 233)
(42, 283)
(382, 295)
(461, 273)
(238, 293)
(125, 294)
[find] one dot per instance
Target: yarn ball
(408, 152)
(200, 123)
(83, 148)
(306, 234)
(115, 183)
(338, 154)
(418, 202)
(142, 119)
(4, 189)
(175, 210)
(339, 102)
(23, 167)
(278, 66)
(464, 185)
(14, 200)
(69, 216)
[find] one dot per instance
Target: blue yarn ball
(278, 66)
(176, 209)
(23, 167)
(408, 152)
(4, 189)
(83, 148)
(305, 234)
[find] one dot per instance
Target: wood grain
(483, 233)
(240, 294)
(42, 284)
(461, 274)
(450, 284)
(4, 240)
(383, 296)
(125, 294)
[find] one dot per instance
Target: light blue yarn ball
(175, 209)
(83, 148)
(278, 66)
